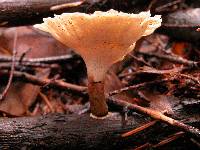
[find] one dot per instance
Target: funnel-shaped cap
(101, 38)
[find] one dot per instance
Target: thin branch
(141, 85)
(154, 71)
(140, 60)
(195, 142)
(66, 5)
(159, 116)
(144, 146)
(4, 93)
(53, 59)
(179, 25)
(24, 54)
(46, 100)
(19, 66)
(169, 4)
(174, 59)
(169, 139)
(42, 82)
(151, 4)
(141, 128)
(190, 77)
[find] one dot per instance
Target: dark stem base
(97, 98)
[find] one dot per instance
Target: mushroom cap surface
(101, 38)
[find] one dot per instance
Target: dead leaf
(112, 83)
(159, 102)
(179, 48)
(22, 95)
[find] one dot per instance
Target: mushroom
(101, 38)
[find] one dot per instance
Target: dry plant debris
(160, 78)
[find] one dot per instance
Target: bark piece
(21, 12)
(182, 24)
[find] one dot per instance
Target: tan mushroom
(101, 38)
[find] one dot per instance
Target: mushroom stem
(97, 98)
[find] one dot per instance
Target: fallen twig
(48, 103)
(3, 95)
(26, 12)
(20, 66)
(158, 115)
(179, 26)
(168, 4)
(143, 127)
(35, 80)
(175, 59)
(140, 60)
(141, 85)
(190, 77)
(144, 146)
(153, 71)
(53, 59)
(66, 5)
(169, 139)
(195, 142)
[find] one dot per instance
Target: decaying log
(21, 12)
(63, 131)
(28, 12)
(60, 131)
(182, 24)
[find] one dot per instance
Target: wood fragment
(144, 146)
(169, 139)
(5, 91)
(174, 59)
(59, 131)
(182, 24)
(196, 80)
(66, 5)
(44, 97)
(154, 71)
(168, 4)
(159, 116)
(28, 66)
(143, 127)
(42, 82)
(27, 12)
(141, 85)
(195, 142)
(53, 59)
(140, 60)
